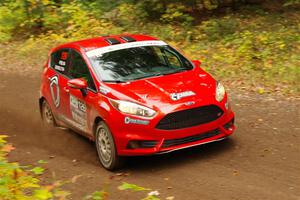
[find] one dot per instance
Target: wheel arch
(101, 119)
(96, 121)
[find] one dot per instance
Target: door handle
(66, 89)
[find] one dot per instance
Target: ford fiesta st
(133, 95)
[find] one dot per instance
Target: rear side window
(79, 69)
(60, 61)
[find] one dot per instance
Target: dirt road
(260, 161)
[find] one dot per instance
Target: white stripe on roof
(98, 52)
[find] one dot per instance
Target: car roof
(103, 41)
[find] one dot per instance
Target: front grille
(148, 144)
(174, 142)
(190, 117)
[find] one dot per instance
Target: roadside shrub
(218, 29)
(292, 3)
(10, 17)
(176, 14)
(252, 45)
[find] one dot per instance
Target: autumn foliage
(252, 44)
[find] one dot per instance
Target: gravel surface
(260, 161)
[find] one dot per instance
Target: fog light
(133, 145)
(140, 144)
(229, 125)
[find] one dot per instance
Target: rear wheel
(47, 114)
(106, 148)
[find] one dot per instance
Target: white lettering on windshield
(100, 51)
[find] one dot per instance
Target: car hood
(193, 85)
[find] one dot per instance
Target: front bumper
(163, 141)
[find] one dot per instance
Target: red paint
(152, 92)
(77, 83)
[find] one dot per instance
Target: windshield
(138, 63)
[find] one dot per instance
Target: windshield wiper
(113, 81)
(175, 71)
(161, 74)
(149, 75)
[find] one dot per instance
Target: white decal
(54, 89)
(129, 120)
(59, 68)
(177, 96)
(78, 110)
(62, 63)
(98, 52)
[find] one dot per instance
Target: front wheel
(106, 148)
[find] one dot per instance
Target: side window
(173, 59)
(60, 61)
(160, 56)
(79, 69)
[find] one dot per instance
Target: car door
(57, 77)
(81, 103)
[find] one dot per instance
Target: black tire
(106, 148)
(47, 115)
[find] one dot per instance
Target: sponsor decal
(62, 63)
(54, 89)
(59, 68)
(78, 111)
(128, 120)
(100, 51)
(177, 96)
(64, 55)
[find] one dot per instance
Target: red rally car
(133, 95)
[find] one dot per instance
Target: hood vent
(128, 39)
(112, 41)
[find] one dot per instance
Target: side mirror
(197, 63)
(79, 84)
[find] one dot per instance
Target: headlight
(220, 92)
(132, 108)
